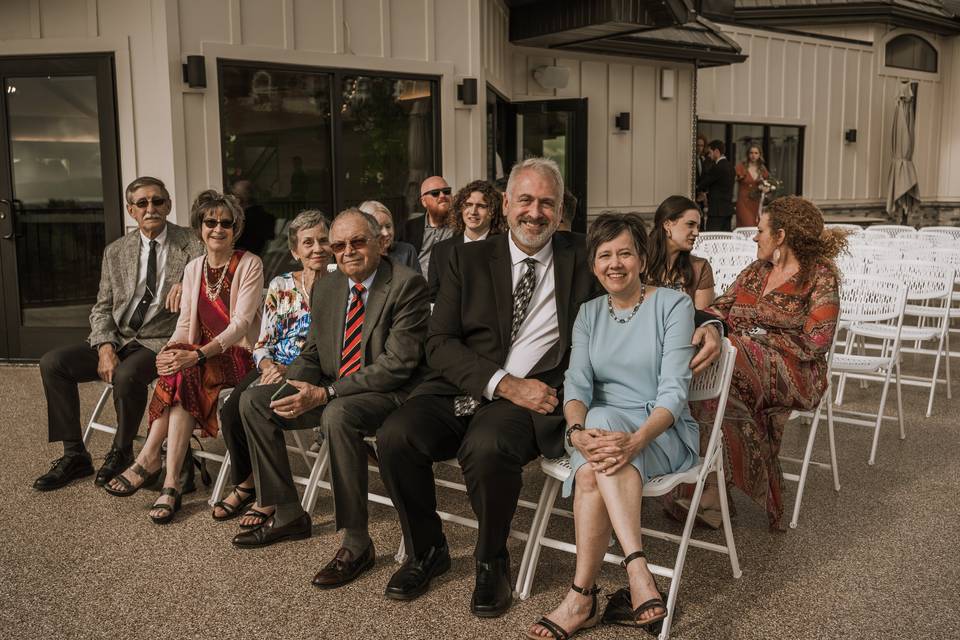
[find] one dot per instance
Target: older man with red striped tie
(359, 362)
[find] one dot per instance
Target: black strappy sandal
(247, 497)
(129, 489)
(559, 633)
(259, 515)
(167, 518)
(620, 610)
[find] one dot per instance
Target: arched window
(911, 52)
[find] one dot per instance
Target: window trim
(336, 77)
(765, 145)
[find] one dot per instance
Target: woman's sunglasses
(211, 223)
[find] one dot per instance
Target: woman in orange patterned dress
(749, 174)
(781, 315)
(209, 351)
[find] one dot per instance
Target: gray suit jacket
(118, 281)
(394, 329)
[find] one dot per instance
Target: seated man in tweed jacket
(134, 316)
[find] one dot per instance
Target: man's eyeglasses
(211, 223)
(356, 243)
(435, 193)
(143, 203)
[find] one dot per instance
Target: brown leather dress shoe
(344, 568)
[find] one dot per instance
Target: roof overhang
(901, 14)
(658, 29)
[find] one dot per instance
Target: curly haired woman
(781, 315)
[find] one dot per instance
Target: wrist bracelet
(569, 433)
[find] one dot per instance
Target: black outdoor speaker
(467, 91)
(622, 121)
(195, 72)
(850, 135)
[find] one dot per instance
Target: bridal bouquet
(766, 189)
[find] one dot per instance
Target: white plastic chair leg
(880, 410)
(551, 487)
(317, 471)
(221, 481)
(833, 444)
(903, 434)
(542, 507)
(725, 516)
(805, 465)
(97, 410)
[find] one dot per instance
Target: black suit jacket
(439, 257)
(394, 327)
(469, 334)
(413, 231)
(717, 181)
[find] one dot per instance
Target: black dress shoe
(492, 594)
(413, 578)
(344, 568)
(267, 534)
(114, 464)
(64, 471)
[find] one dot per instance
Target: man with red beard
(436, 225)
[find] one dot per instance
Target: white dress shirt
(541, 328)
(156, 303)
(467, 238)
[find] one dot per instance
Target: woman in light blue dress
(625, 399)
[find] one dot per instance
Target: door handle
(11, 235)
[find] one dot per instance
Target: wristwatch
(570, 430)
(331, 392)
(201, 357)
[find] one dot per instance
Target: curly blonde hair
(804, 232)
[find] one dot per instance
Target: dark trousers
(492, 447)
(718, 222)
(63, 369)
(231, 427)
(345, 421)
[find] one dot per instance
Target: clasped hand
(309, 397)
(170, 361)
(707, 340)
(271, 372)
(606, 451)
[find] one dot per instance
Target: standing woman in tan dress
(676, 226)
(749, 174)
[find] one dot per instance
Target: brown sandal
(559, 633)
(146, 477)
(249, 495)
(630, 617)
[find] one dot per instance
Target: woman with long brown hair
(676, 226)
(750, 175)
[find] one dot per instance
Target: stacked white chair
(716, 247)
(852, 228)
(892, 230)
(867, 301)
(954, 232)
(744, 233)
(713, 383)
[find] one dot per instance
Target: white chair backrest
(871, 234)
(953, 232)
(714, 235)
(938, 238)
(727, 266)
(872, 298)
(715, 380)
(852, 228)
(718, 247)
(925, 280)
(892, 230)
(745, 233)
(850, 265)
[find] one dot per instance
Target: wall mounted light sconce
(467, 91)
(622, 121)
(195, 72)
(850, 135)
(668, 84)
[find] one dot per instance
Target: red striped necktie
(352, 334)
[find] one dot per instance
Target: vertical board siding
(314, 26)
(62, 18)
(495, 45)
(261, 23)
(829, 87)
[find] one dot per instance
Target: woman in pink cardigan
(209, 351)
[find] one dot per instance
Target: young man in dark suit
(717, 181)
(498, 347)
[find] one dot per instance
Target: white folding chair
(744, 233)
(712, 383)
(892, 230)
(94, 424)
(852, 228)
(951, 231)
(706, 236)
(718, 247)
(727, 266)
(867, 301)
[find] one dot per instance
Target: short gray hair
(545, 167)
(373, 207)
(307, 219)
(369, 219)
(145, 181)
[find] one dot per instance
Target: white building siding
(829, 87)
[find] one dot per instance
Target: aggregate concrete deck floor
(881, 559)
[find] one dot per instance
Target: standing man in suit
(478, 211)
(134, 316)
(436, 225)
(364, 346)
(717, 181)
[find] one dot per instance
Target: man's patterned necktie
(352, 334)
(467, 405)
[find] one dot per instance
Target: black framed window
(782, 148)
(911, 52)
(317, 138)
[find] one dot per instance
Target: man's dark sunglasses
(211, 223)
(434, 193)
(143, 203)
(357, 243)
